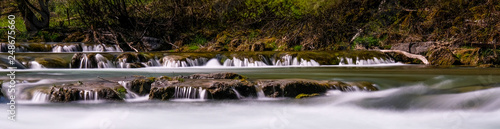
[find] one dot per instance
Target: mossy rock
(141, 85)
(162, 93)
(53, 62)
(442, 57)
(301, 96)
(39, 47)
(290, 88)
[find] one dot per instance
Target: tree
(35, 17)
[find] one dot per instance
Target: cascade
(190, 93)
(237, 93)
(35, 65)
(39, 97)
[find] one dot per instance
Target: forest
(459, 27)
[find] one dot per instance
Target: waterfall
(169, 62)
(100, 48)
(40, 97)
(35, 65)
(372, 61)
(65, 48)
(89, 95)
(102, 62)
(243, 63)
(289, 60)
(213, 63)
(237, 93)
(129, 95)
(197, 62)
(97, 61)
(190, 93)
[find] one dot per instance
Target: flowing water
(410, 96)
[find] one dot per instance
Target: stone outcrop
(1, 91)
(420, 48)
(290, 88)
(215, 76)
(141, 85)
(227, 90)
(441, 57)
(87, 91)
(216, 86)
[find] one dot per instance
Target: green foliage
(367, 41)
(297, 47)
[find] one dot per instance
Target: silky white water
(411, 97)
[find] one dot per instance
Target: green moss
(302, 95)
(297, 47)
(121, 91)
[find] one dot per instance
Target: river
(410, 97)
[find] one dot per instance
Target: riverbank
(464, 32)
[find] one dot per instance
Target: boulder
(141, 85)
(215, 76)
(290, 88)
(1, 92)
(441, 56)
(84, 91)
(162, 93)
(231, 90)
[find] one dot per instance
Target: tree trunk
(32, 22)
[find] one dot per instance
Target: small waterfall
(190, 93)
(101, 48)
(96, 61)
(243, 63)
(40, 97)
(35, 65)
(237, 93)
(289, 60)
(65, 48)
(169, 62)
(372, 61)
(102, 62)
(126, 85)
(122, 63)
(89, 95)
(213, 63)
(197, 62)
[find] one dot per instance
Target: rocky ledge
(215, 86)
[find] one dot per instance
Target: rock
(399, 57)
(401, 46)
(216, 76)
(420, 47)
(141, 85)
(76, 60)
(52, 62)
(76, 92)
(230, 90)
(162, 93)
(290, 88)
(356, 86)
(137, 65)
(442, 57)
(1, 92)
(413, 48)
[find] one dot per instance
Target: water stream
(410, 96)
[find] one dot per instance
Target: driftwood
(409, 55)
